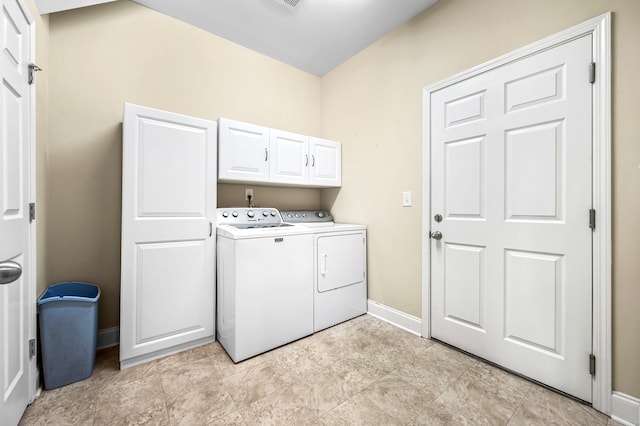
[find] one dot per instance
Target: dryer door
(340, 260)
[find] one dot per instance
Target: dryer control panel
(306, 216)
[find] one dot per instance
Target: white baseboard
(393, 316)
(625, 409)
(108, 337)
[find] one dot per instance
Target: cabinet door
(289, 162)
(168, 248)
(243, 152)
(326, 162)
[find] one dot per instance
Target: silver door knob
(436, 235)
(9, 272)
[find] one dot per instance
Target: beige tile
(292, 405)
(396, 397)
(252, 382)
(231, 419)
(195, 394)
(482, 395)
(200, 405)
(151, 417)
(71, 404)
(110, 375)
(117, 403)
(225, 365)
(185, 357)
(434, 370)
(293, 363)
(330, 346)
(356, 373)
(357, 411)
(542, 406)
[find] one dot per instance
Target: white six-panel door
(511, 177)
(16, 300)
(168, 233)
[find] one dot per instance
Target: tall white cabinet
(167, 301)
(255, 154)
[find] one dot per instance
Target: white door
(511, 176)
(16, 300)
(340, 260)
(244, 152)
(168, 233)
(289, 162)
(326, 162)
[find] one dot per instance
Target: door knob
(9, 272)
(436, 235)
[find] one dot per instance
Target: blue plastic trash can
(68, 318)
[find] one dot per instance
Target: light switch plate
(406, 199)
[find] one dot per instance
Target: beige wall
(106, 55)
(373, 104)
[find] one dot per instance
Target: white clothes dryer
(339, 267)
(264, 292)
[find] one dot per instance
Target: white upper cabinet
(326, 162)
(255, 154)
(243, 152)
(289, 163)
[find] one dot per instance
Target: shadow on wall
(84, 215)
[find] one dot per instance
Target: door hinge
(592, 219)
(33, 68)
(32, 348)
(592, 364)
(592, 72)
(32, 212)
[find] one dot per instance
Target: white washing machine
(339, 267)
(264, 292)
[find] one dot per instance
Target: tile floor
(364, 371)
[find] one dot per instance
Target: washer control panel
(306, 216)
(257, 217)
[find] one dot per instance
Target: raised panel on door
(16, 156)
(326, 162)
(511, 177)
(289, 158)
(340, 261)
(243, 151)
(168, 246)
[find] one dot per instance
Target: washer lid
(233, 232)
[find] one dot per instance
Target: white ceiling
(315, 36)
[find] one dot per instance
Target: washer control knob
(251, 213)
(304, 215)
(234, 214)
(289, 215)
(225, 214)
(297, 215)
(320, 215)
(273, 214)
(265, 213)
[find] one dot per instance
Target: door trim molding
(33, 373)
(600, 28)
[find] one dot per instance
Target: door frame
(33, 374)
(600, 28)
